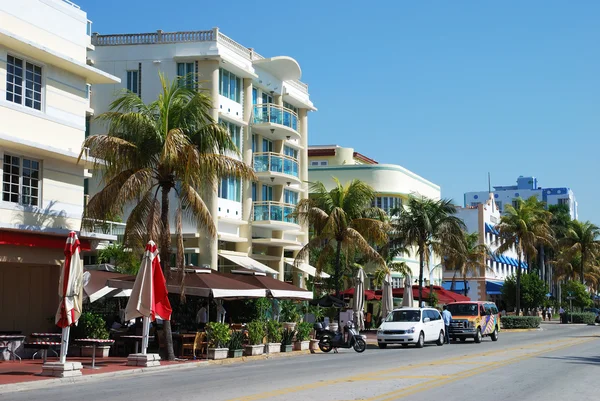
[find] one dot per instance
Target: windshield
(404, 316)
(463, 309)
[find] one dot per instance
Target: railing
(272, 113)
(276, 163)
(301, 86)
(88, 28)
(233, 45)
(104, 227)
(274, 211)
(71, 4)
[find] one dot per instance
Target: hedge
(520, 322)
(581, 317)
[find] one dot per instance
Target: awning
(459, 286)
(95, 286)
(493, 287)
(249, 263)
(275, 288)
(306, 268)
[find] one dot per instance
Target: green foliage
(256, 332)
(581, 317)
(433, 299)
(273, 331)
(578, 290)
(303, 331)
(236, 340)
(533, 291)
(91, 325)
(217, 334)
(520, 322)
(289, 311)
(287, 336)
(125, 261)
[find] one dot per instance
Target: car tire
(405, 345)
(441, 339)
(478, 336)
(382, 345)
(421, 340)
(494, 335)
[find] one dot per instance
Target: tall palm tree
(523, 228)
(342, 221)
(469, 258)
(152, 150)
(583, 237)
(429, 225)
(392, 264)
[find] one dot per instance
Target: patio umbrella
(358, 302)
(70, 292)
(149, 298)
(387, 299)
(327, 301)
(407, 299)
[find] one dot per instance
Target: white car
(411, 326)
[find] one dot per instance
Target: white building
(44, 98)
(265, 107)
(526, 187)
(392, 183)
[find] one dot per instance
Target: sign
(570, 298)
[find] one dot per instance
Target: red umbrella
(370, 295)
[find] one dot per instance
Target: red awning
(38, 240)
(444, 296)
(369, 294)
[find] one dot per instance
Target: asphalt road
(558, 362)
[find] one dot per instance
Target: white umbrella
(407, 300)
(387, 299)
(70, 291)
(358, 302)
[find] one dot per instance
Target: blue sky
(449, 90)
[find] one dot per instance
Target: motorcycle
(330, 340)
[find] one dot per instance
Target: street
(555, 363)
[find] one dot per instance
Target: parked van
(474, 319)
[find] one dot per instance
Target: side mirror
(426, 320)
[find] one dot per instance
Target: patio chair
(200, 343)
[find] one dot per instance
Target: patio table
(136, 339)
(48, 340)
(8, 339)
(94, 342)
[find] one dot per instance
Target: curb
(519, 330)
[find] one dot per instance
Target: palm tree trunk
(421, 267)
(542, 264)
(581, 268)
(165, 259)
(518, 289)
(465, 284)
(338, 260)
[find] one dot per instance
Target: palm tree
(582, 237)
(151, 150)
(343, 222)
(392, 265)
(430, 226)
(523, 228)
(469, 258)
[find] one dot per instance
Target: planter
(301, 345)
(236, 353)
(101, 351)
(251, 350)
(289, 325)
(333, 327)
(314, 345)
(287, 348)
(217, 353)
(272, 348)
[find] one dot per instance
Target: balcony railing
(275, 163)
(274, 211)
(104, 227)
(273, 113)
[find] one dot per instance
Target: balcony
(274, 215)
(113, 228)
(279, 169)
(275, 122)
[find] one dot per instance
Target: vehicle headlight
(411, 330)
(469, 324)
(379, 330)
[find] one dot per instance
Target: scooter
(330, 340)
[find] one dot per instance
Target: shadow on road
(587, 360)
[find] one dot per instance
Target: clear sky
(449, 90)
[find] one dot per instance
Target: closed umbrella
(387, 299)
(358, 302)
(70, 292)
(407, 299)
(149, 298)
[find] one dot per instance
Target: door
(429, 327)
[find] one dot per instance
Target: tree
(125, 261)
(523, 228)
(468, 257)
(582, 238)
(430, 226)
(533, 291)
(152, 150)
(575, 289)
(342, 221)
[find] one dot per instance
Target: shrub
(287, 336)
(273, 331)
(303, 331)
(581, 317)
(256, 332)
(520, 322)
(218, 335)
(236, 340)
(91, 325)
(289, 311)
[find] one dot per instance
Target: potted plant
(256, 335)
(92, 325)
(287, 336)
(273, 337)
(302, 336)
(218, 339)
(235, 344)
(289, 314)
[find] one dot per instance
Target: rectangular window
(267, 145)
(230, 189)
(267, 193)
(133, 81)
(254, 197)
(291, 107)
(230, 85)
(563, 201)
(515, 203)
(254, 96)
(289, 151)
(186, 75)
(499, 204)
(474, 204)
(32, 78)
(266, 98)
(323, 163)
(21, 181)
(254, 144)
(235, 131)
(314, 163)
(290, 197)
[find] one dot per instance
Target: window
(230, 189)
(474, 204)
(21, 180)
(15, 75)
(254, 143)
(254, 96)
(266, 98)
(133, 81)
(563, 201)
(515, 204)
(289, 151)
(314, 163)
(235, 132)
(230, 85)
(290, 197)
(387, 203)
(267, 146)
(254, 197)
(397, 282)
(404, 316)
(291, 107)
(499, 204)
(267, 193)
(186, 75)
(323, 163)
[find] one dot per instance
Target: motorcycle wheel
(360, 345)
(325, 344)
